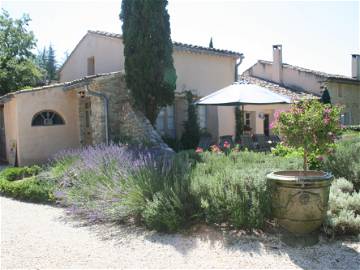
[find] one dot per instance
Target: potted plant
(300, 198)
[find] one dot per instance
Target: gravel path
(40, 236)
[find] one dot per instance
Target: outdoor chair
(226, 138)
(247, 142)
(274, 140)
(263, 143)
(205, 142)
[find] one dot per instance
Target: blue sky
(317, 35)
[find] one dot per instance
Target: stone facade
(124, 123)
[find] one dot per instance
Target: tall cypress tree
(150, 73)
(211, 45)
(51, 64)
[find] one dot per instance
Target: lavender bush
(92, 181)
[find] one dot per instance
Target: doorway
(266, 125)
(2, 135)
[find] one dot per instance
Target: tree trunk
(305, 167)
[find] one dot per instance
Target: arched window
(47, 118)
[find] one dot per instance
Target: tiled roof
(315, 72)
(180, 46)
(285, 91)
(8, 96)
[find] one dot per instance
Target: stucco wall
(202, 73)
(107, 51)
(290, 77)
(11, 124)
(37, 143)
(347, 95)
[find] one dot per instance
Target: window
(91, 66)
(47, 118)
(170, 121)
(159, 125)
(165, 121)
(340, 92)
(247, 119)
(202, 119)
(346, 118)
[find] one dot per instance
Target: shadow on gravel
(327, 254)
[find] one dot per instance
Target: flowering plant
(309, 125)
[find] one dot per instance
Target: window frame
(47, 125)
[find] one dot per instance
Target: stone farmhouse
(91, 103)
(298, 82)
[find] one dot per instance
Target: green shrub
(345, 161)
(17, 173)
(159, 194)
(344, 209)
(28, 189)
(233, 188)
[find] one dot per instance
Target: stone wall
(125, 123)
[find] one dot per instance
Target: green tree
(150, 73)
(18, 66)
(211, 45)
(51, 64)
(191, 136)
(325, 97)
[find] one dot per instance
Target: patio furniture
(263, 142)
(274, 140)
(226, 138)
(247, 142)
(205, 142)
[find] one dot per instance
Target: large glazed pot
(299, 199)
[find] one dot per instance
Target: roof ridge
(316, 72)
(179, 45)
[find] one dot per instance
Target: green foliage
(325, 97)
(191, 135)
(345, 161)
(344, 209)
(51, 64)
(28, 189)
(211, 45)
(233, 188)
(18, 67)
(309, 124)
(150, 73)
(160, 196)
(17, 173)
(239, 124)
(314, 159)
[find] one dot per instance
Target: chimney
(355, 66)
(277, 64)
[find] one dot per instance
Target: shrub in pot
(300, 198)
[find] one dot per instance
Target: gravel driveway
(40, 236)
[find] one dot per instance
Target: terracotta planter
(299, 199)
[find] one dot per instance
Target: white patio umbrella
(243, 94)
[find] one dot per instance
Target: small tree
(310, 125)
(325, 97)
(150, 73)
(191, 136)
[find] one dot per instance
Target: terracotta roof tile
(282, 90)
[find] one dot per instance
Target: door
(266, 125)
(2, 135)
